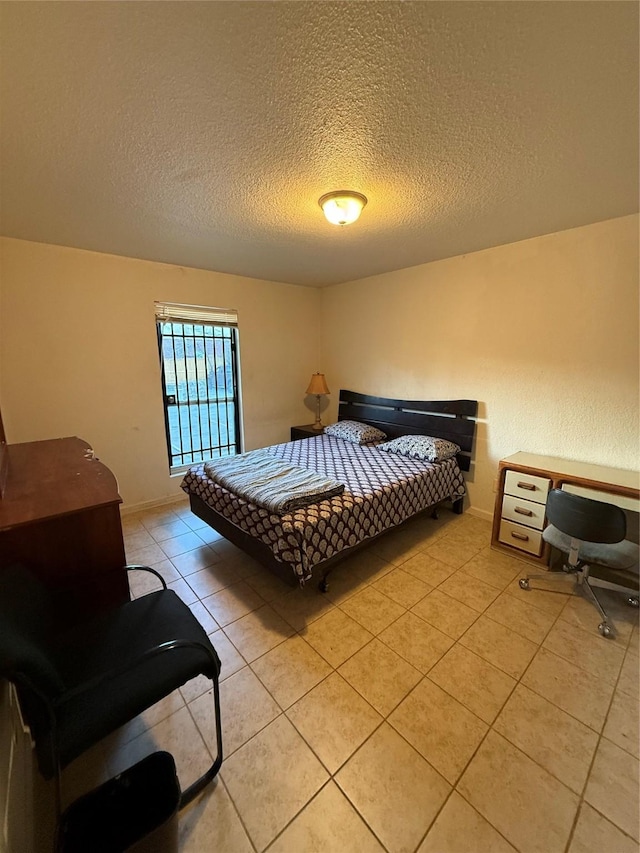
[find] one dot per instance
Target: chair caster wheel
(632, 601)
(605, 630)
(524, 583)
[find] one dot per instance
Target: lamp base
(318, 424)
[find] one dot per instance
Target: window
(199, 361)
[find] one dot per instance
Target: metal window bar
(200, 383)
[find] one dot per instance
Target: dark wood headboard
(453, 420)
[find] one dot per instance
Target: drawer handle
(521, 536)
(522, 511)
(528, 486)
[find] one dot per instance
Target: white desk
(525, 479)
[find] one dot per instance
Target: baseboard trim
(480, 513)
(130, 509)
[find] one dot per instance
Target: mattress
(381, 491)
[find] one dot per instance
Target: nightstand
(304, 431)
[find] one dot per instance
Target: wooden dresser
(60, 516)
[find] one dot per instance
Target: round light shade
(343, 206)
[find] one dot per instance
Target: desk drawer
(527, 486)
(520, 537)
(523, 512)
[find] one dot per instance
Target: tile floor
(425, 703)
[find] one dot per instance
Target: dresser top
(46, 479)
(575, 471)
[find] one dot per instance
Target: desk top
(47, 479)
(580, 473)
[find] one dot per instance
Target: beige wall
(544, 333)
(78, 354)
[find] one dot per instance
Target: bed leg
(458, 506)
(434, 513)
(323, 585)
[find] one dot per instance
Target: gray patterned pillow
(421, 447)
(355, 431)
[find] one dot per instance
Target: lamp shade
(318, 384)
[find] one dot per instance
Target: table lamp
(318, 386)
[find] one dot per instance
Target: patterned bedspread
(381, 491)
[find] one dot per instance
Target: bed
(382, 490)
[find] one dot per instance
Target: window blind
(171, 312)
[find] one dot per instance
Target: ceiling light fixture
(343, 206)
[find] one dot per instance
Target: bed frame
(453, 420)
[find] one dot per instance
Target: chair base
(193, 790)
(586, 583)
(200, 784)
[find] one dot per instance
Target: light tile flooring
(425, 703)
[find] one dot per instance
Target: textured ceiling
(202, 134)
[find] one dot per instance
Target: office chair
(77, 687)
(589, 531)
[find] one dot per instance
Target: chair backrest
(25, 621)
(586, 519)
